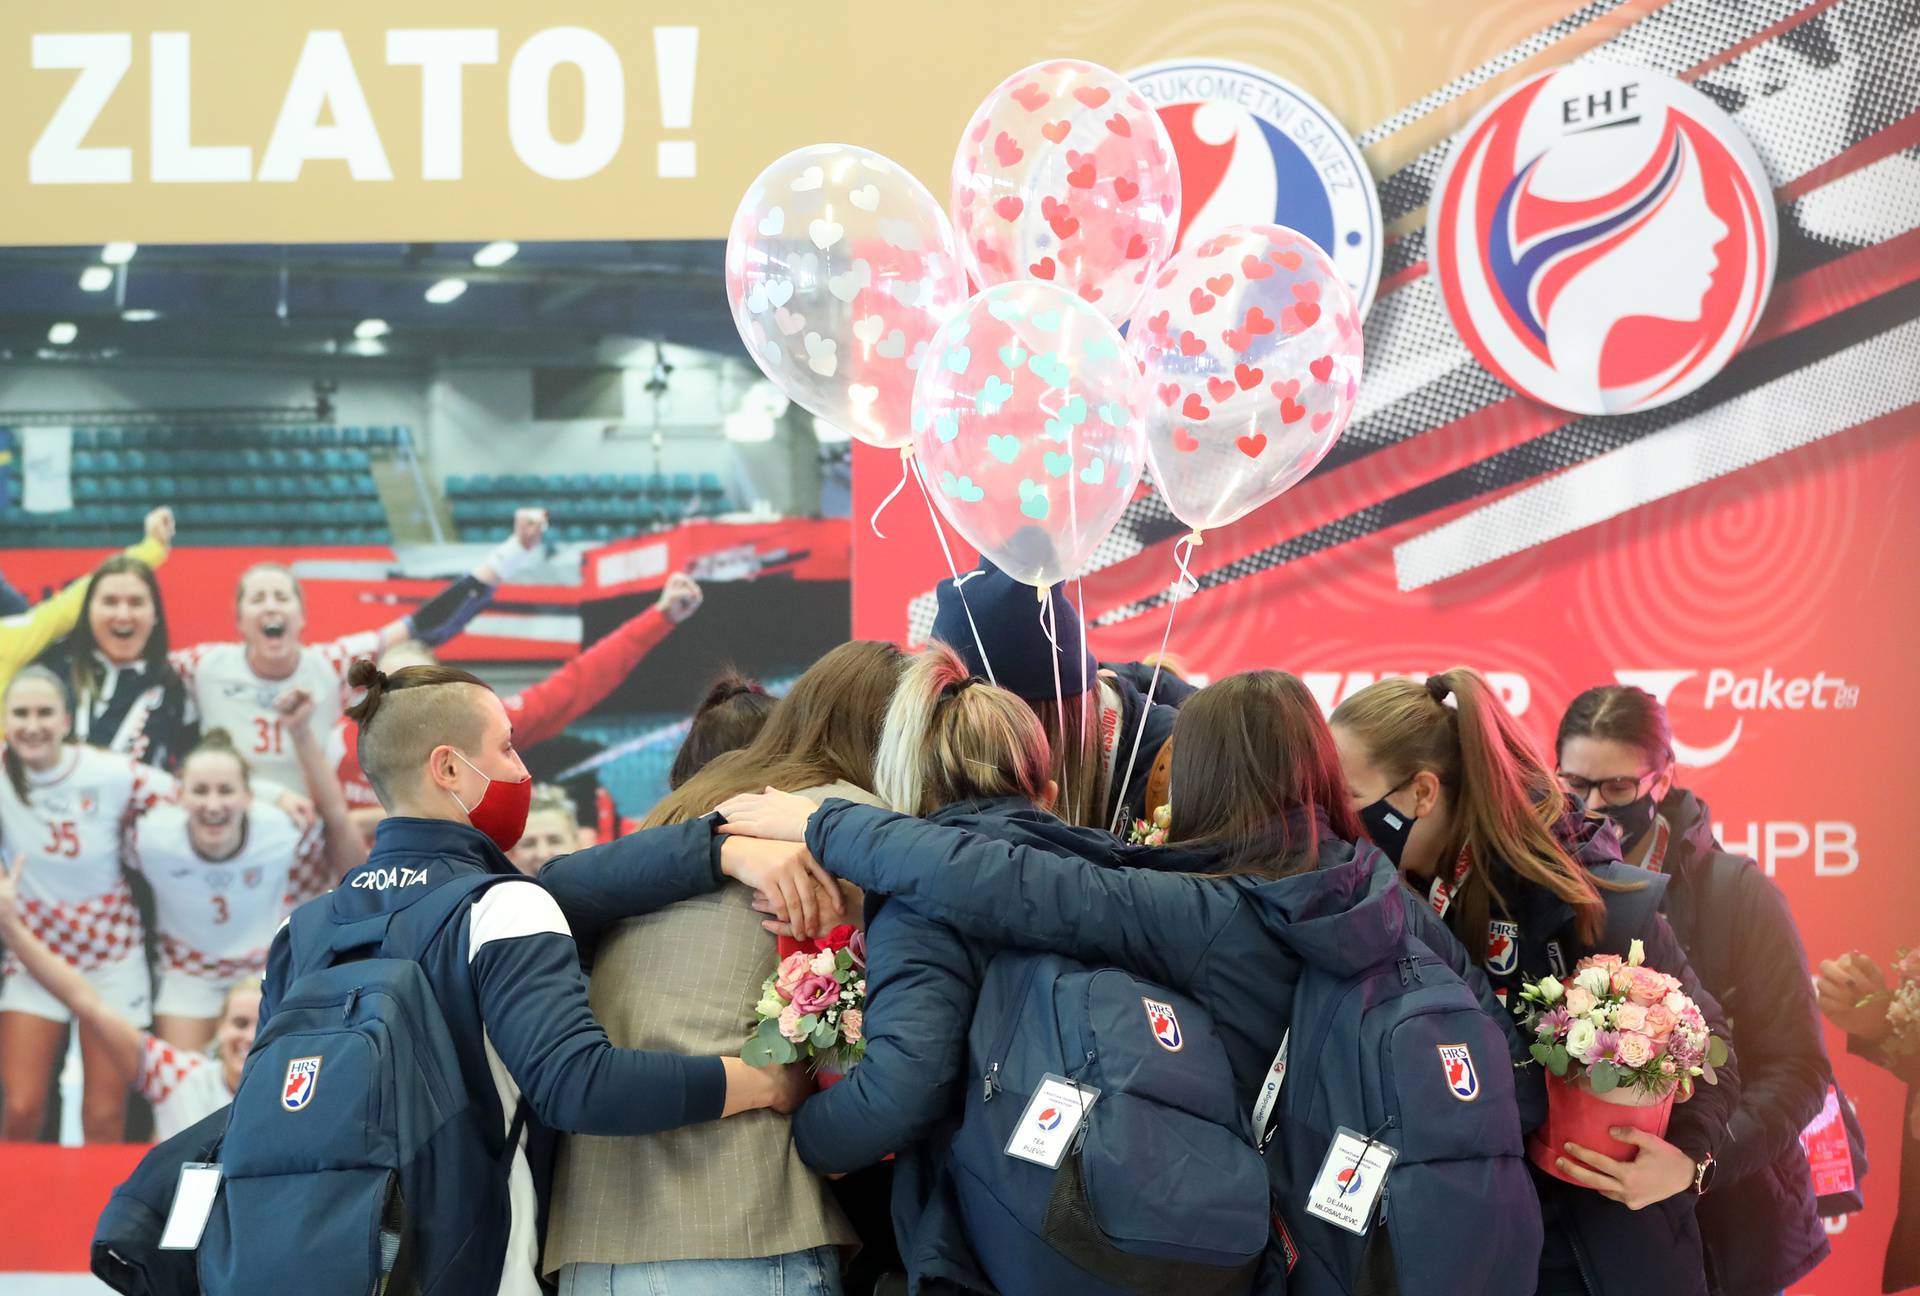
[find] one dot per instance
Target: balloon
(1024, 428)
(1065, 174)
(1251, 350)
(840, 266)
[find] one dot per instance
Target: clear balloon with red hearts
(840, 266)
(1066, 175)
(1250, 348)
(1024, 426)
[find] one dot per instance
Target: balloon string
(1086, 685)
(1184, 585)
(920, 476)
(1049, 628)
(906, 466)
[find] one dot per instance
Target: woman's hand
(160, 527)
(1853, 994)
(10, 870)
(806, 897)
(680, 599)
(771, 815)
(299, 809)
(296, 709)
(1658, 1171)
(749, 1088)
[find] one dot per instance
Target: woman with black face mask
(1760, 1226)
(1452, 790)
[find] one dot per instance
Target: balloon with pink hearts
(1024, 427)
(1251, 354)
(1066, 175)
(840, 266)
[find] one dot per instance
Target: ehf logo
(1456, 1061)
(1603, 237)
(1165, 1025)
(1503, 947)
(303, 1074)
(1049, 1120)
(1255, 150)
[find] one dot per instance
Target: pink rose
(790, 1022)
(1661, 1020)
(1630, 1017)
(1636, 1050)
(1648, 988)
(815, 994)
(794, 969)
(1624, 979)
(1580, 1001)
(1607, 961)
(850, 1022)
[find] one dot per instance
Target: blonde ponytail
(1505, 800)
(950, 737)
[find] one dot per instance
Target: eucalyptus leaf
(1716, 1051)
(1560, 1060)
(785, 1051)
(806, 1024)
(823, 1036)
(1542, 1053)
(842, 960)
(756, 1053)
(1604, 1077)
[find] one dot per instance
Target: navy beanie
(1008, 616)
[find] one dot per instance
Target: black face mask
(1387, 828)
(1632, 819)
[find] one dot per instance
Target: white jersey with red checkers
(183, 1087)
(216, 918)
(230, 695)
(71, 830)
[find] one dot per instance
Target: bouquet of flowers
(1151, 832)
(1620, 1042)
(1903, 1006)
(1616, 1023)
(812, 1006)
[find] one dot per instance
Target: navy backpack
(355, 1159)
(1401, 1053)
(1160, 1189)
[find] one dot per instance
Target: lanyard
(1656, 861)
(1440, 894)
(1270, 1092)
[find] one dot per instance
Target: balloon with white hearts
(840, 267)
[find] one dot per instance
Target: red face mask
(501, 811)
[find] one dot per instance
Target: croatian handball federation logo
(1049, 1119)
(1456, 1062)
(1349, 1181)
(303, 1075)
(1256, 150)
(1604, 238)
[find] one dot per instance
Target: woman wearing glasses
(1759, 1224)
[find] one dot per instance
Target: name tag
(1048, 1125)
(192, 1204)
(1348, 1186)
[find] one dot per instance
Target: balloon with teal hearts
(1026, 428)
(840, 266)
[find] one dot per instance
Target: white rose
(1580, 1038)
(1596, 981)
(1549, 990)
(1675, 1002)
(823, 963)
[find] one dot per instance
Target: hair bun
(1439, 688)
(364, 674)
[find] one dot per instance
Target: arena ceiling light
(63, 333)
(96, 278)
(497, 253)
(118, 253)
(139, 315)
(446, 290)
(369, 329)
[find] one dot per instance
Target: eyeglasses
(1614, 791)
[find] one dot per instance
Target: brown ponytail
(1506, 802)
(950, 736)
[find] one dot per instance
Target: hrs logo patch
(1463, 1082)
(1503, 947)
(303, 1076)
(1165, 1025)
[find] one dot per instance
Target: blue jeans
(799, 1273)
